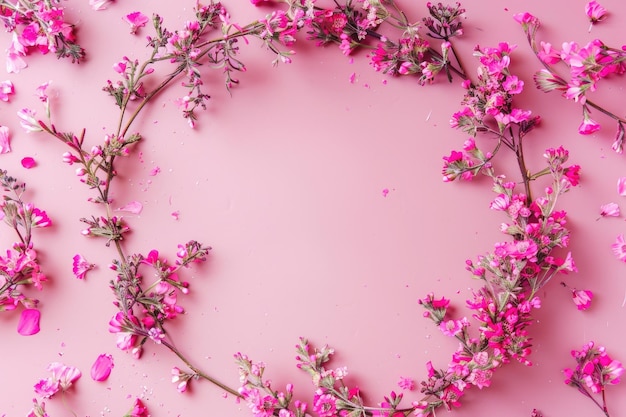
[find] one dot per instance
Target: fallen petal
(28, 162)
(134, 207)
(101, 368)
(29, 322)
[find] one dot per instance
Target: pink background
(285, 181)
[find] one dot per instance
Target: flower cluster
(19, 266)
(38, 25)
(511, 275)
(355, 24)
(145, 311)
(587, 65)
(191, 48)
(595, 369)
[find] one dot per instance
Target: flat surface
(285, 181)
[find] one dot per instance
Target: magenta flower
(80, 266)
(609, 209)
(138, 410)
(29, 322)
(5, 140)
(6, 90)
(136, 20)
(588, 126)
(595, 12)
(619, 248)
(582, 298)
(101, 368)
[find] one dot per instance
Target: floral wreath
(147, 288)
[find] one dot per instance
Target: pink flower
(6, 90)
(595, 12)
(15, 63)
(572, 174)
(5, 140)
(406, 383)
(609, 209)
(63, 376)
(29, 322)
(46, 388)
(582, 298)
(452, 327)
(38, 410)
(28, 162)
(28, 121)
(180, 378)
(619, 248)
(136, 20)
(588, 126)
(66, 375)
(80, 266)
(621, 186)
(101, 368)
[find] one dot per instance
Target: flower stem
(198, 372)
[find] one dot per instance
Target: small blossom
(406, 383)
(588, 126)
(138, 410)
(101, 368)
(595, 12)
(609, 209)
(582, 298)
(619, 248)
(5, 140)
(38, 410)
(29, 322)
(6, 90)
(28, 121)
(80, 266)
(180, 378)
(136, 20)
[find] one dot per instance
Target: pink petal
(621, 186)
(5, 140)
(101, 368)
(134, 207)
(28, 162)
(29, 322)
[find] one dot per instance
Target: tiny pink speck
(385, 192)
(352, 77)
